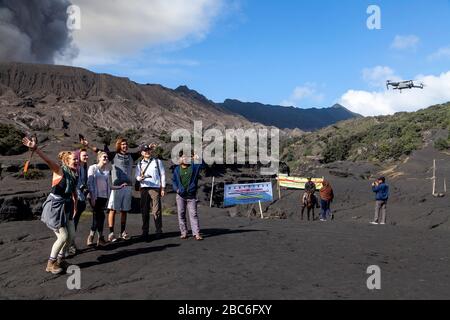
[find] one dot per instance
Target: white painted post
(260, 210)
(212, 192)
(434, 177)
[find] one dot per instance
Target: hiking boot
(61, 263)
(111, 237)
(101, 242)
(53, 268)
(90, 241)
(124, 236)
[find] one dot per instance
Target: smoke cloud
(35, 31)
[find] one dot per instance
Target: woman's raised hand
(30, 142)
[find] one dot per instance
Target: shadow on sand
(126, 253)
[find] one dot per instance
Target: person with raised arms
(60, 206)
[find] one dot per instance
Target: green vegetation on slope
(11, 141)
(381, 138)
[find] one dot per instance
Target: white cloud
(377, 76)
(436, 91)
(114, 29)
(442, 53)
(405, 42)
(307, 92)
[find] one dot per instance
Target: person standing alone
(381, 190)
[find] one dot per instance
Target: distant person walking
(121, 173)
(151, 176)
(326, 198)
(381, 190)
(185, 184)
(60, 204)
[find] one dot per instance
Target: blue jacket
(382, 192)
(193, 185)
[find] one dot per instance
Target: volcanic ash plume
(35, 31)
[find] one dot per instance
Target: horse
(309, 201)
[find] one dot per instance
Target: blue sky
(304, 53)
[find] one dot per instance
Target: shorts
(120, 200)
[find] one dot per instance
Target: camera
(84, 189)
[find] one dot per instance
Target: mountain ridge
(289, 117)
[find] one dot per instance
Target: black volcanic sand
(240, 258)
(244, 257)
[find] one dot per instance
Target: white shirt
(152, 178)
(99, 183)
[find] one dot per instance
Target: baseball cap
(144, 147)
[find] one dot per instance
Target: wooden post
(434, 177)
(212, 192)
(260, 210)
(279, 188)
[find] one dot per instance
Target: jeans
(98, 215)
(81, 206)
(325, 210)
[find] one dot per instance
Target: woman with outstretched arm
(61, 203)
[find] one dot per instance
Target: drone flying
(402, 85)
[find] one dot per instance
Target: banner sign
(235, 194)
(297, 182)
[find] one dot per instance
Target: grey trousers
(191, 206)
(380, 211)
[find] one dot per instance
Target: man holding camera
(151, 176)
(381, 190)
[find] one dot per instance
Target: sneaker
(101, 242)
(323, 220)
(124, 236)
(198, 238)
(111, 237)
(90, 241)
(72, 250)
(373, 222)
(383, 223)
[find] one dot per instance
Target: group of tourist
(108, 186)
